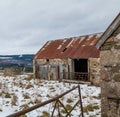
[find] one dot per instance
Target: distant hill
(25, 60)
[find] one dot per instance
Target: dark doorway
(81, 69)
(81, 65)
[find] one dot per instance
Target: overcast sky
(26, 25)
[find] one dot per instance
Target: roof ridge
(77, 36)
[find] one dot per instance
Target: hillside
(25, 60)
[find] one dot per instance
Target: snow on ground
(20, 92)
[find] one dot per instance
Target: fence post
(80, 100)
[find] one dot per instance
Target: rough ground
(20, 92)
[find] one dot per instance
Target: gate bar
(17, 114)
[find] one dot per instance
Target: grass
(30, 77)
(26, 96)
(14, 100)
(21, 84)
(36, 101)
(95, 107)
(68, 107)
(1, 93)
(48, 96)
(69, 100)
(45, 114)
(7, 95)
(31, 102)
(52, 89)
(0, 110)
(29, 86)
(24, 106)
(90, 107)
(23, 116)
(63, 111)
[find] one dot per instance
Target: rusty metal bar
(40, 104)
(64, 107)
(72, 108)
(80, 100)
(54, 108)
(58, 109)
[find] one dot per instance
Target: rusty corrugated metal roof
(75, 47)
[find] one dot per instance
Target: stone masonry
(110, 77)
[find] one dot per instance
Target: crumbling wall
(94, 67)
(52, 61)
(45, 69)
(110, 76)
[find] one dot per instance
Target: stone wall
(94, 67)
(68, 66)
(52, 61)
(110, 76)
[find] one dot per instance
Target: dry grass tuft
(0, 110)
(23, 116)
(36, 101)
(26, 96)
(69, 100)
(7, 95)
(90, 107)
(24, 106)
(14, 100)
(29, 86)
(68, 107)
(45, 114)
(29, 77)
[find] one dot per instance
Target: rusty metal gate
(57, 105)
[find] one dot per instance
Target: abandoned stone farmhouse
(74, 58)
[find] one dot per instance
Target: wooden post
(58, 71)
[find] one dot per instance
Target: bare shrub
(12, 71)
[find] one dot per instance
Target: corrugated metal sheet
(76, 47)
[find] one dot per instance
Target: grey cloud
(26, 25)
